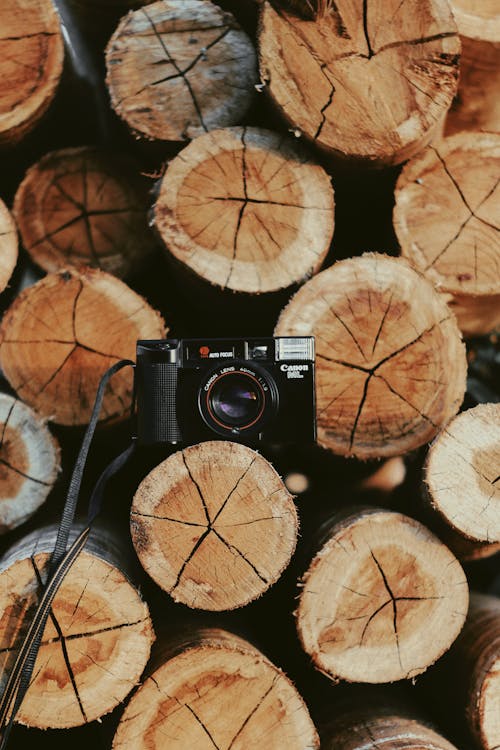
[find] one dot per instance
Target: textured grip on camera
(157, 397)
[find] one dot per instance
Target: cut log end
(396, 602)
(476, 661)
(218, 692)
(367, 726)
(29, 462)
(177, 69)
(81, 206)
(363, 82)
(244, 209)
(214, 525)
(447, 204)
(32, 54)
(60, 335)
(462, 473)
(477, 106)
(390, 363)
(8, 245)
(95, 645)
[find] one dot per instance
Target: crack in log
(172, 61)
(231, 493)
(202, 725)
(371, 53)
(166, 518)
(360, 408)
(200, 493)
(64, 648)
(232, 548)
(23, 474)
(189, 558)
(243, 206)
(5, 424)
(253, 712)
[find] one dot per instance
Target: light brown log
(31, 54)
(361, 726)
(477, 106)
(472, 671)
(466, 550)
(462, 473)
(8, 245)
(246, 210)
(390, 364)
(215, 691)
(29, 462)
(97, 639)
(382, 600)
(446, 221)
(60, 335)
(368, 81)
(214, 525)
(84, 206)
(179, 68)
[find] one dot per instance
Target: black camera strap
(61, 560)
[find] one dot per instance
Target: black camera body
(246, 390)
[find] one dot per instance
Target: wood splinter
(215, 691)
(214, 525)
(390, 363)
(392, 599)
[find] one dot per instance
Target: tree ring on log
(245, 209)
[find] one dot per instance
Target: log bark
(216, 691)
(32, 54)
(8, 245)
(477, 106)
(97, 639)
(446, 221)
(390, 364)
(360, 726)
(60, 335)
(368, 83)
(246, 210)
(461, 473)
(214, 525)
(392, 599)
(84, 206)
(29, 462)
(471, 671)
(179, 68)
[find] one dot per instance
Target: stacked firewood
(194, 168)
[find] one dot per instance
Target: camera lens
(237, 400)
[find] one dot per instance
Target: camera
(245, 390)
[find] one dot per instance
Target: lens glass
(236, 399)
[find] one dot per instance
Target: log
(390, 364)
(179, 68)
(85, 206)
(379, 724)
(477, 105)
(29, 462)
(367, 83)
(214, 525)
(8, 245)
(471, 672)
(461, 473)
(60, 335)
(32, 55)
(446, 221)
(98, 636)
(392, 598)
(245, 209)
(215, 690)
